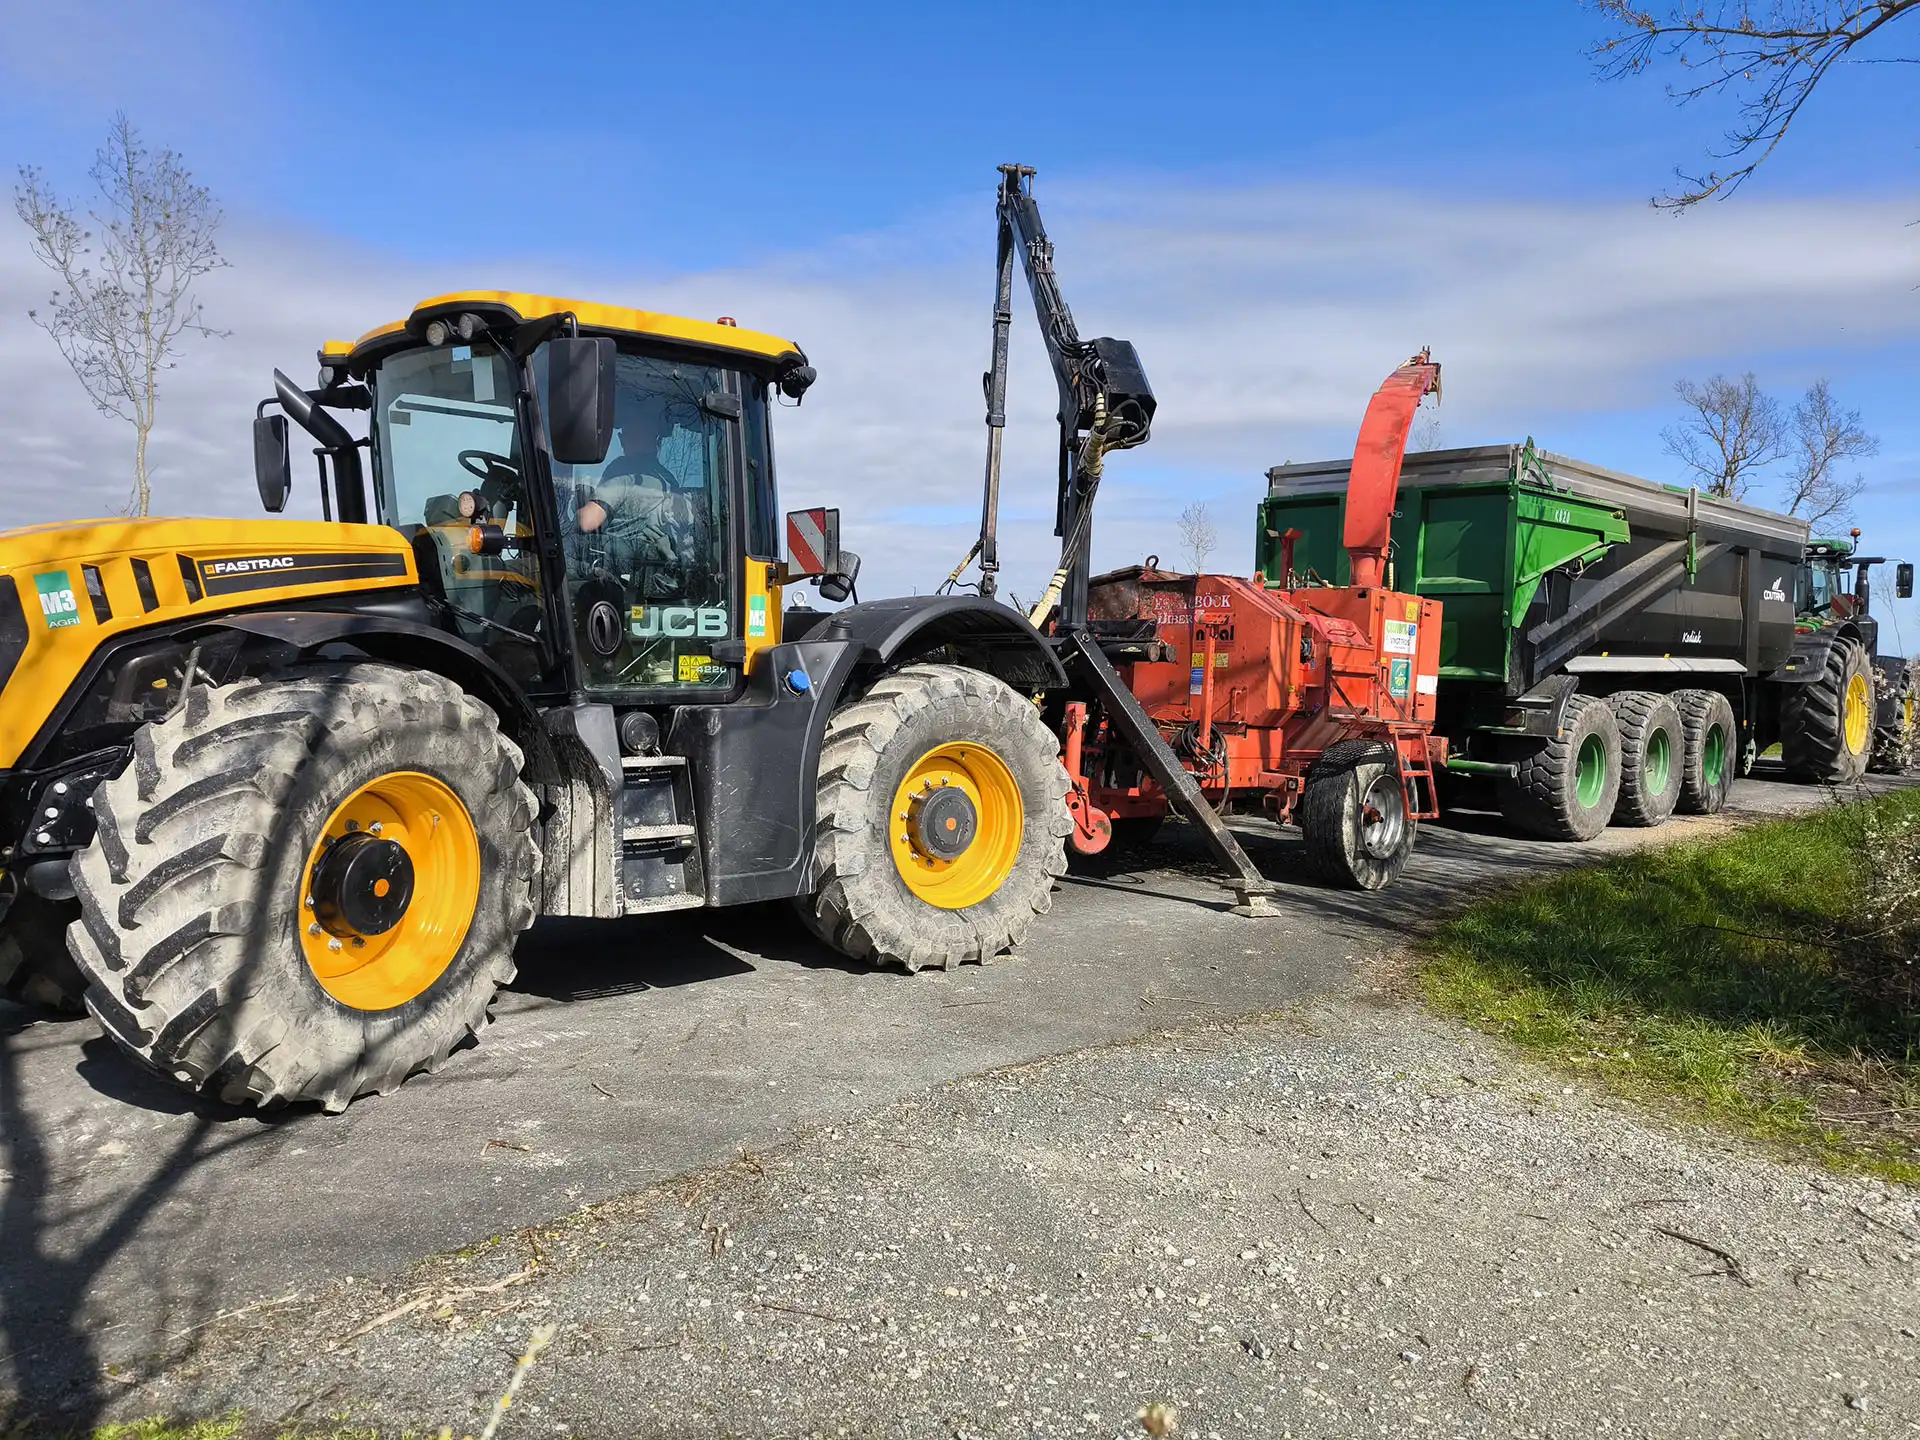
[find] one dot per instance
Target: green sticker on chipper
(57, 601)
(1399, 678)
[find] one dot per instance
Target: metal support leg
(1249, 886)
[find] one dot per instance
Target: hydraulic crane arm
(1105, 401)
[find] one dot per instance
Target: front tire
(941, 821)
(1354, 817)
(1826, 727)
(1566, 789)
(307, 887)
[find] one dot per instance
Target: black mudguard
(755, 761)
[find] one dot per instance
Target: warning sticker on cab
(57, 601)
(1402, 637)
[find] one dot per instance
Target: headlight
(13, 629)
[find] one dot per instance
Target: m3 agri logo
(58, 604)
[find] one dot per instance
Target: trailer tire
(259, 833)
(35, 968)
(1826, 726)
(1709, 751)
(1354, 818)
(1650, 757)
(1567, 787)
(881, 892)
(1896, 738)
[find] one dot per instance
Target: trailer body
(1550, 568)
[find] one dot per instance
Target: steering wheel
(484, 465)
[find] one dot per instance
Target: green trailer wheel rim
(1713, 754)
(1657, 768)
(1590, 772)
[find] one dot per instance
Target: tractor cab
(588, 490)
(1827, 593)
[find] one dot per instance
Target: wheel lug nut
(334, 945)
(314, 928)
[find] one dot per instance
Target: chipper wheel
(1566, 789)
(307, 887)
(35, 969)
(1353, 816)
(1826, 727)
(1896, 739)
(941, 823)
(1709, 751)
(1650, 750)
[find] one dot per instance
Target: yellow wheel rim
(955, 825)
(378, 925)
(1859, 713)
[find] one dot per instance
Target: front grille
(13, 629)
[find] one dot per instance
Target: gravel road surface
(627, 1053)
(1353, 1220)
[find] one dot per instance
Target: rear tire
(1826, 726)
(863, 903)
(1353, 816)
(1650, 757)
(1710, 751)
(35, 969)
(1897, 737)
(1567, 788)
(195, 931)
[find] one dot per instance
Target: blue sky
(1278, 202)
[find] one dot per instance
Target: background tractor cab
(1825, 590)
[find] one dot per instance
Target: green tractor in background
(1828, 597)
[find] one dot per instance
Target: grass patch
(1748, 980)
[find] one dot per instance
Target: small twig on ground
(1660, 1200)
(602, 1089)
(1375, 1219)
(1885, 1224)
(802, 1310)
(1307, 1210)
(234, 1314)
(1730, 1265)
(421, 1302)
(502, 1145)
(1466, 1386)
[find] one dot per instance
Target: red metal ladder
(1412, 745)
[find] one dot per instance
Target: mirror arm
(349, 485)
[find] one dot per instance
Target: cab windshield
(448, 458)
(1824, 582)
(645, 533)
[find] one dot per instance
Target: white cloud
(1265, 317)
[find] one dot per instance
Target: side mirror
(1903, 581)
(272, 468)
(838, 585)
(580, 399)
(813, 542)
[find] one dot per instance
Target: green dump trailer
(1611, 649)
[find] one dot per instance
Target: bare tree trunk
(142, 492)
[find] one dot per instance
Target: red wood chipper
(1310, 702)
(1197, 693)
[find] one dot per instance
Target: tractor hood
(67, 589)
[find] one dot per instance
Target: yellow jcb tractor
(277, 797)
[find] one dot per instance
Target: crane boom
(1105, 401)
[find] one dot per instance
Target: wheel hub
(362, 886)
(942, 822)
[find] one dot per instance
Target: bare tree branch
(1735, 430)
(1770, 55)
(1824, 438)
(1197, 534)
(118, 325)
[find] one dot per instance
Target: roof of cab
(615, 318)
